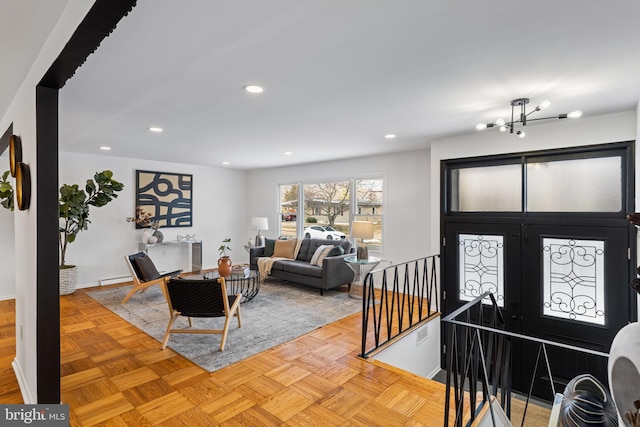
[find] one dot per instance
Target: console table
(191, 259)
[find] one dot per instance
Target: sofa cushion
(315, 243)
(336, 251)
(302, 268)
(320, 254)
(304, 251)
(285, 248)
(269, 245)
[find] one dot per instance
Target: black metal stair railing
(397, 299)
(479, 355)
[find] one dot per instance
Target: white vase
(624, 372)
(146, 233)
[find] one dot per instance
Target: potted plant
(150, 232)
(6, 192)
(74, 217)
(224, 262)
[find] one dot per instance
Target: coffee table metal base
(248, 286)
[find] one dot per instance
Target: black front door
(575, 291)
(566, 284)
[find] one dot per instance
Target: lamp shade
(362, 229)
(259, 224)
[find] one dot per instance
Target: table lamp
(362, 230)
(259, 224)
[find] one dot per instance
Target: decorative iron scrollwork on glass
(573, 279)
(481, 266)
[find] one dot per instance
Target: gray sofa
(333, 273)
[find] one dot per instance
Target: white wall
(22, 113)
(418, 352)
(406, 196)
(99, 251)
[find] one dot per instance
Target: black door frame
(625, 148)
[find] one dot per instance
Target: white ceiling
(339, 75)
(24, 27)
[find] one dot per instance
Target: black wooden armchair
(200, 298)
(144, 274)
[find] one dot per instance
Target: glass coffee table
(360, 267)
(247, 284)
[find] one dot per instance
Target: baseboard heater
(114, 280)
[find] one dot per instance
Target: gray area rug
(279, 313)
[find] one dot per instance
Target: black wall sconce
(15, 153)
(23, 186)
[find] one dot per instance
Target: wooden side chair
(200, 298)
(144, 274)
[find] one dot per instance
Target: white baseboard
(114, 280)
(22, 382)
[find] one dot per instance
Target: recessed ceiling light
(105, 148)
(155, 129)
(254, 88)
(226, 163)
(287, 153)
(390, 136)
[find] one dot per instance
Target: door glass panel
(573, 279)
(581, 185)
(487, 189)
(481, 267)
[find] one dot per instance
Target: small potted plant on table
(224, 262)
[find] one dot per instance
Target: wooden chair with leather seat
(205, 298)
(144, 274)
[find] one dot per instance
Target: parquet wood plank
(286, 404)
(115, 375)
(133, 377)
(316, 416)
(102, 409)
(165, 407)
(226, 406)
(254, 416)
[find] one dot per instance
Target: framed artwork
(166, 196)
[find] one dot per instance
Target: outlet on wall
(422, 335)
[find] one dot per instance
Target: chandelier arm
(533, 111)
(545, 118)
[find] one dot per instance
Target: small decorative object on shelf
(144, 219)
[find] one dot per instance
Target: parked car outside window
(323, 232)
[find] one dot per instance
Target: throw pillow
(268, 247)
(317, 254)
(285, 248)
(145, 268)
(336, 250)
(322, 255)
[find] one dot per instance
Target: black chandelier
(524, 117)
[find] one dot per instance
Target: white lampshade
(362, 229)
(259, 224)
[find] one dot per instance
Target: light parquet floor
(112, 374)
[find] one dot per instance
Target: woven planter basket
(68, 280)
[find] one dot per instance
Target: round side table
(360, 268)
